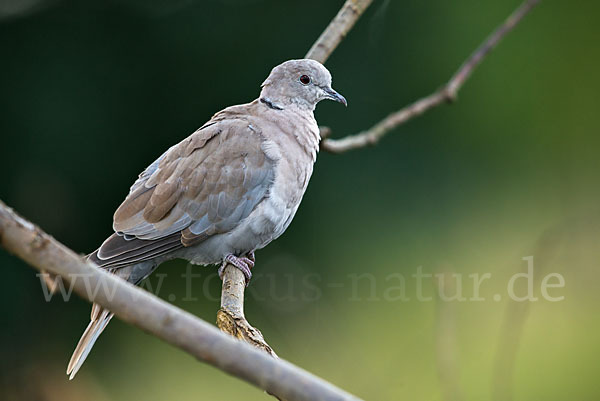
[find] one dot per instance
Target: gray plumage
(227, 190)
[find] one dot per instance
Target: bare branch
(230, 317)
(161, 319)
(445, 94)
(337, 29)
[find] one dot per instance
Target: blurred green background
(91, 92)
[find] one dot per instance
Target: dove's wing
(205, 185)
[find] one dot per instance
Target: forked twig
(445, 94)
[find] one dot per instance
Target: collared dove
(230, 188)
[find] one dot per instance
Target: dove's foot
(243, 263)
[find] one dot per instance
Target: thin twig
(445, 94)
(159, 318)
(515, 316)
(337, 29)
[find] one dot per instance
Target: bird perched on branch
(230, 188)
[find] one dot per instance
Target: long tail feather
(100, 318)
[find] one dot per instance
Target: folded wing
(205, 185)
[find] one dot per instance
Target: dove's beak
(333, 95)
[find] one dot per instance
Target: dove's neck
(277, 98)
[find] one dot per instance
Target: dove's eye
(305, 79)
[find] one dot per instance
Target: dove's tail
(99, 319)
(101, 316)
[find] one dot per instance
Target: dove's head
(303, 83)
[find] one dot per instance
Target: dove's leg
(242, 263)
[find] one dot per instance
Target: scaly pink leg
(243, 263)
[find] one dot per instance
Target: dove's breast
(291, 144)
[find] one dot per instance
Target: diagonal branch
(159, 318)
(445, 94)
(337, 29)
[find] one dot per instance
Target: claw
(243, 263)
